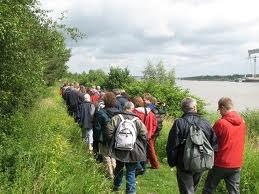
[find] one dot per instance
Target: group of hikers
(121, 132)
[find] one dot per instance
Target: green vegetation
(32, 53)
(45, 154)
(158, 73)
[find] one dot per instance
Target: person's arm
(210, 135)
(213, 141)
(92, 111)
(111, 128)
(142, 130)
(173, 143)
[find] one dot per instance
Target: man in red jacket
(230, 131)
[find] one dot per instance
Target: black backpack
(160, 115)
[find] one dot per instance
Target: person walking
(230, 130)
(102, 118)
(187, 180)
(127, 157)
(150, 121)
(87, 110)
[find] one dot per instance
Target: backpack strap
(145, 115)
(121, 117)
(192, 123)
(189, 128)
(134, 119)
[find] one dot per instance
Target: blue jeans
(130, 176)
(141, 168)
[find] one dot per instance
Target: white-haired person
(126, 157)
(87, 110)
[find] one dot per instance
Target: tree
(171, 76)
(149, 71)
(158, 73)
(94, 77)
(118, 77)
(32, 52)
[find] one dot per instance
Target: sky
(195, 37)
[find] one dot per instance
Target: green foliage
(118, 78)
(158, 73)
(93, 78)
(32, 53)
(252, 122)
(166, 92)
(45, 154)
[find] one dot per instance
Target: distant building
(138, 77)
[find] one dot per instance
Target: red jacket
(230, 131)
(150, 121)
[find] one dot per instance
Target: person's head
(102, 94)
(148, 99)
(109, 99)
(138, 101)
(128, 106)
(76, 85)
(116, 91)
(125, 95)
(225, 104)
(82, 89)
(189, 104)
(87, 97)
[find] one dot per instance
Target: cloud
(193, 36)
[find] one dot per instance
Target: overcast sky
(195, 37)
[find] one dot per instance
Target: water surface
(244, 94)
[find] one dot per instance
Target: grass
(45, 154)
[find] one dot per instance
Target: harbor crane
(251, 52)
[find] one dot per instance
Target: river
(245, 95)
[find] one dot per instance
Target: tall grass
(45, 154)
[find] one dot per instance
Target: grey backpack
(198, 154)
(126, 134)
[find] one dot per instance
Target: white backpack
(126, 134)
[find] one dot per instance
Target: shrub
(167, 93)
(252, 122)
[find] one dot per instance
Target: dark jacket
(86, 114)
(178, 135)
(102, 117)
(139, 151)
(73, 97)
